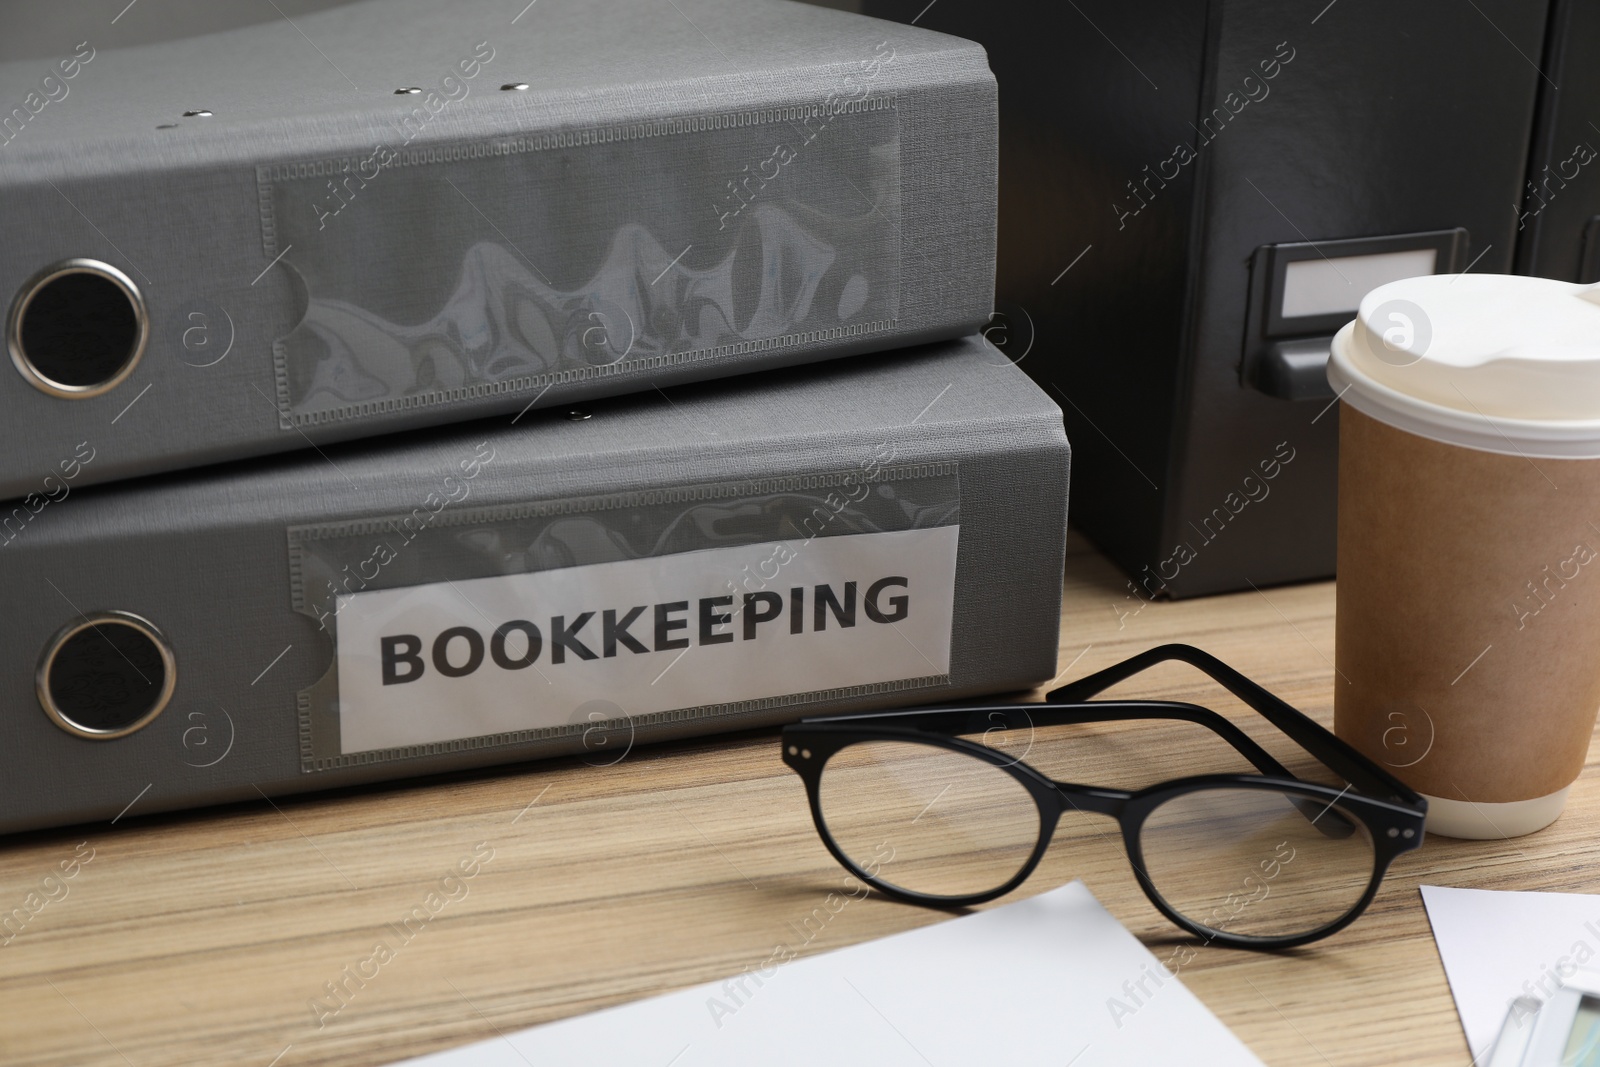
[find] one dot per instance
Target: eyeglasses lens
(926, 819)
(1257, 862)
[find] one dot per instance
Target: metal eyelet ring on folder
(106, 675)
(77, 329)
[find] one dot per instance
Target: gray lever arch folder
(398, 213)
(875, 532)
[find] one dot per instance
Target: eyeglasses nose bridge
(1087, 799)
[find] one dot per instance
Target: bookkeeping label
(481, 657)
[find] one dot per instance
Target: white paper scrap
(1499, 945)
(1046, 981)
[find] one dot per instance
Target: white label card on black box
(449, 661)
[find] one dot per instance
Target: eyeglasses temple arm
(959, 720)
(1259, 757)
(1307, 733)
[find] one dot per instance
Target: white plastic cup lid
(1495, 362)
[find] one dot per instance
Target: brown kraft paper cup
(1468, 629)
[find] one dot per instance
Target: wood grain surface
(216, 937)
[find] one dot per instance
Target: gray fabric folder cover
(678, 191)
(206, 556)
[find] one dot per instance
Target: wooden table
(212, 937)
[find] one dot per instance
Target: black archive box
(1558, 214)
(1164, 165)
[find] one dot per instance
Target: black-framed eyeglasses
(921, 813)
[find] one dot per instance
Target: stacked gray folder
(399, 213)
(677, 557)
(742, 554)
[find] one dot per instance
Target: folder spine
(890, 531)
(331, 267)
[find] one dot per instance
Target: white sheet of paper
(1498, 945)
(1023, 984)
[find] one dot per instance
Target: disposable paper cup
(1468, 628)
